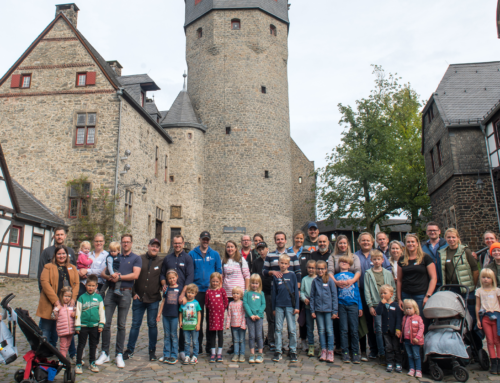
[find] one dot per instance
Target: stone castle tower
(237, 54)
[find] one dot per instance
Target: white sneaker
(119, 361)
(102, 359)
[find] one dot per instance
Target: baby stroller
(38, 368)
(449, 344)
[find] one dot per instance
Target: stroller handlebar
(450, 287)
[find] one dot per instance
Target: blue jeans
(310, 327)
(324, 322)
(377, 322)
(281, 314)
(170, 345)
(189, 336)
(138, 309)
(419, 299)
(239, 340)
(49, 330)
(413, 352)
(349, 322)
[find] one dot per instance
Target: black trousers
(270, 320)
(181, 340)
(220, 335)
(93, 335)
(392, 349)
(302, 329)
(200, 297)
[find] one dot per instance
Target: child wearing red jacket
(413, 336)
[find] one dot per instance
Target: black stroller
(38, 368)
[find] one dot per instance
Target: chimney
(116, 66)
(70, 11)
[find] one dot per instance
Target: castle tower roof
(197, 8)
(181, 114)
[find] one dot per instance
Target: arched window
(273, 30)
(199, 33)
(235, 24)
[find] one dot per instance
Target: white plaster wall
(25, 262)
(4, 195)
(3, 258)
(28, 235)
(14, 259)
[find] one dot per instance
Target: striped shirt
(234, 274)
(272, 263)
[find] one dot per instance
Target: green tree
(377, 170)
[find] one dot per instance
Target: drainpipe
(483, 129)
(119, 93)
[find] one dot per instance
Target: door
(173, 232)
(158, 231)
(36, 250)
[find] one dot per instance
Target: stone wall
(227, 70)
(303, 182)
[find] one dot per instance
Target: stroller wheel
(461, 374)
(26, 381)
(19, 376)
(483, 359)
(436, 373)
(70, 376)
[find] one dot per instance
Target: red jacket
(416, 329)
(65, 323)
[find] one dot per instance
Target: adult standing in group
(146, 295)
(257, 238)
(48, 253)
(55, 275)
(205, 261)
(311, 241)
(485, 257)
(396, 250)
(246, 249)
(235, 273)
(182, 263)
(98, 257)
(366, 242)
(432, 247)
(416, 274)
(382, 243)
(129, 271)
(271, 264)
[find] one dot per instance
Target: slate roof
(276, 8)
(143, 80)
(151, 108)
(181, 114)
(163, 115)
(467, 92)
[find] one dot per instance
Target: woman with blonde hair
(417, 276)
(396, 249)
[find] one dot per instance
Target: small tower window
(228, 130)
(300, 180)
(273, 30)
(263, 89)
(190, 136)
(235, 24)
(266, 173)
(199, 33)
(171, 178)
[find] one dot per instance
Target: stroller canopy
(445, 304)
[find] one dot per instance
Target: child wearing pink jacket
(413, 336)
(64, 314)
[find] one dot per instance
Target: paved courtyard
(139, 369)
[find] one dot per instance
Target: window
(15, 235)
(159, 214)
(85, 78)
(453, 217)
(128, 206)
(166, 168)
(199, 180)
(171, 178)
(300, 180)
(156, 162)
(438, 152)
(190, 136)
(263, 89)
(79, 200)
(273, 30)
(25, 81)
(199, 33)
(82, 79)
(446, 221)
(235, 24)
(228, 130)
(143, 96)
(266, 173)
(85, 129)
(432, 161)
(492, 131)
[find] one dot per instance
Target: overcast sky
(331, 44)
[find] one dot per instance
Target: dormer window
(143, 97)
(235, 24)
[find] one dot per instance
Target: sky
(332, 45)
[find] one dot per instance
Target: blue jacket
(324, 296)
(366, 264)
(280, 296)
(392, 318)
(204, 267)
(426, 248)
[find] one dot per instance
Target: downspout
(119, 93)
(483, 129)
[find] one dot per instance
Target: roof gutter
(43, 221)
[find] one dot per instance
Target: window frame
(80, 202)
(199, 33)
(19, 231)
(235, 21)
(143, 98)
(273, 30)
(78, 79)
(23, 76)
(129, 205)
(86, 127)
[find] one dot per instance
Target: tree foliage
(377, 170)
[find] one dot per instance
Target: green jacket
(462, 268)
(254, 303)
(89, 311)
(492, 266)
(372, 294)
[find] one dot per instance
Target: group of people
(375, 295)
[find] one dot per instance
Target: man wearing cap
(311, 241)
(205, 261)
(147, 296)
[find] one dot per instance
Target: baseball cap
(153, 241)
(261, 244)
(312, 224)
(205, 234)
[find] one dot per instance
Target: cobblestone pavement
(139, 369)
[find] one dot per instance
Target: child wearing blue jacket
(324, 307)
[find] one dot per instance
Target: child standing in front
(413, 336)
(216, 303)
(391, 316)
(236, 320)
(169, 311)
(350, 310)
(254, 303)
(112, 266)
(488, 309)
(374, 279)
(324, 308)
(305, 296)
(90, 320)
(285, 304)
(189, 320)
(65, 316)
(83, 261)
